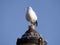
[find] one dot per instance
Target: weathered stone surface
(30, 34)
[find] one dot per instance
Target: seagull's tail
(36, 23)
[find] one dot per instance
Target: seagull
(31, 16)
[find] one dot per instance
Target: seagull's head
(29, 7)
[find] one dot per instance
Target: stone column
(31, 37)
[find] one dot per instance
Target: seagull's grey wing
(32, 14)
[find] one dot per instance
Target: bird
(31, 16)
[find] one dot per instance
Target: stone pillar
(31, 37)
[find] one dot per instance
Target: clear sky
(13, 23)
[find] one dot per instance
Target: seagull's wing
(32, 14)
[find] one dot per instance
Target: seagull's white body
(31, 16)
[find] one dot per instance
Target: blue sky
(13, 23)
